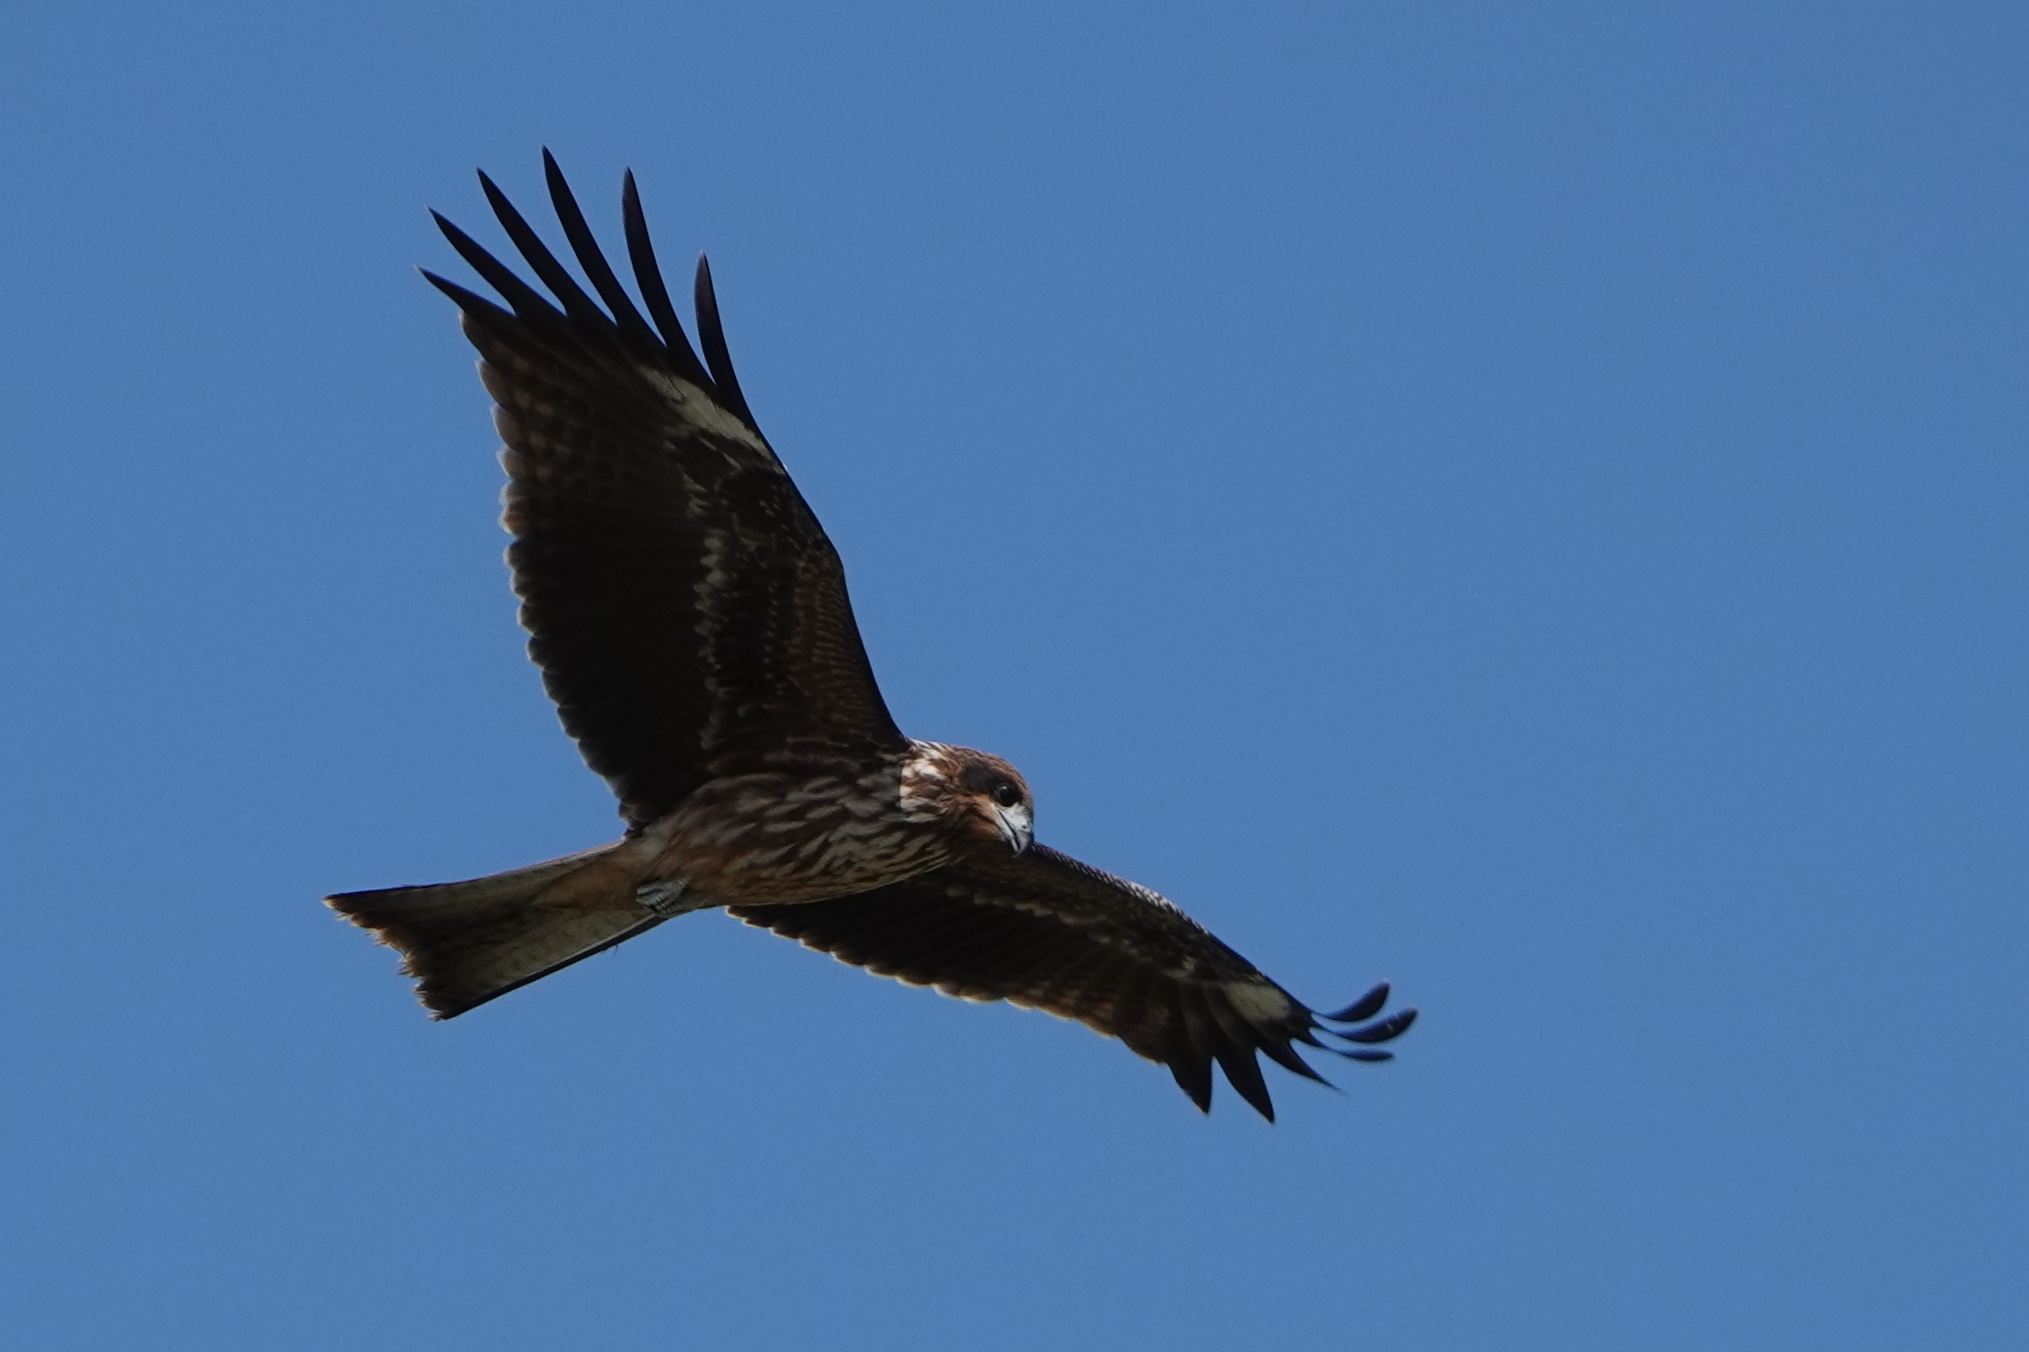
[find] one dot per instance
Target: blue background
(1526, 501)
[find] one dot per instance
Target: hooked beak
(1015, 827)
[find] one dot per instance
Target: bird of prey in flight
(690, 620)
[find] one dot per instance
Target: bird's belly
(766, 839)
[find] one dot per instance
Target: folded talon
(664, 897)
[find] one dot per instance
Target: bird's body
(774, 837)
(691, 622)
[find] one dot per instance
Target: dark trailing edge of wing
(1046, 931)
(665, 341)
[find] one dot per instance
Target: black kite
(690, 620)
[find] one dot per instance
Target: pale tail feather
(466, 943)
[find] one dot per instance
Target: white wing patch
(1258, 1002)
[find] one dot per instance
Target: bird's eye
(1006, 794)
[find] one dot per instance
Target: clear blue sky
(1527, 501)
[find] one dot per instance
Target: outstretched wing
(684, 605)
(1043, 930)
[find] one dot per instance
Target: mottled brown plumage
(690, 620)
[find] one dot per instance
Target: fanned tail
(469, 942)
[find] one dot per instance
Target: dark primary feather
(712, 334)
(1364, 1008)
(684, 605)
(654, 294)
(586, 248)
(1043, 930)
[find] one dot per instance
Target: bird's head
(997, 801)
(982, 797)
